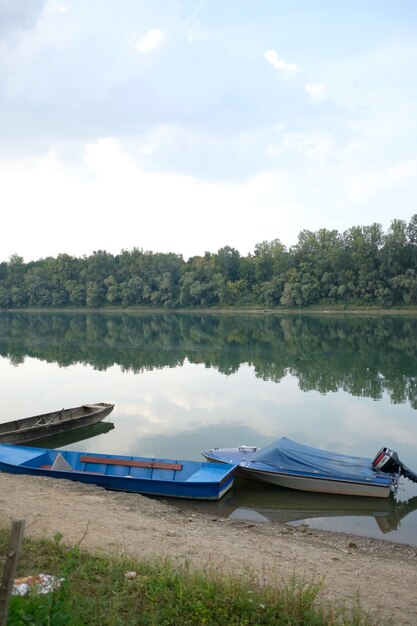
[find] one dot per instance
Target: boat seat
(60, 463)
(131, 463)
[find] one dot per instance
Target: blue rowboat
(148, 476)
(293, 465)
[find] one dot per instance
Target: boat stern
(214, 479)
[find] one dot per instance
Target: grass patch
(96, 591)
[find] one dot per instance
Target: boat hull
(157, 477)
(316, 485)
(38, 427)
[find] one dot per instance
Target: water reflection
(74, 436)
(365, 356)
(253, 501)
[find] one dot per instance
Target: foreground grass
(96, 591)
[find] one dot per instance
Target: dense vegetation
(364, 355)
(96, 592)
(363, 266)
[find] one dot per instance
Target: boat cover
(286, 454)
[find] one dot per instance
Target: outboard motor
(387, 461)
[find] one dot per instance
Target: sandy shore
(382, 574)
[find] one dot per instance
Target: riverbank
(318, 309)
(383, 575)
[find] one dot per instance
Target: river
(185, 382)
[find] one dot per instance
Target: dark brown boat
(48, 424)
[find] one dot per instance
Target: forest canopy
(363, 266)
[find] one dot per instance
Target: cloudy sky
(187, 125)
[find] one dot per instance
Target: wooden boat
(149, 476)
(40, 426)
(295, 466)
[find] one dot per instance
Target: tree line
(361, 266)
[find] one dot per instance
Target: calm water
(182, 383)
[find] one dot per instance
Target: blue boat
(293, 465)
(148, 476)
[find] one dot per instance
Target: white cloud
(314, 145)
(126, 206)
(367, 183)
(279, 64)
(158, 137)
(315, 91)
(122, 204)
(55, 7)
(150, 41)
(403, 171)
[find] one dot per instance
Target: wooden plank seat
(131, 463)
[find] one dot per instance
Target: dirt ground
(382, 574)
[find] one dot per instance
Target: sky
(188, 125)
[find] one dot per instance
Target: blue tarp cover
(292, 456)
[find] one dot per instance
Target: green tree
(94, 294)
(228, 262)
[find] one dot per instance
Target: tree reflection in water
(366, 355)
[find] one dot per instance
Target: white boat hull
(319, 485)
